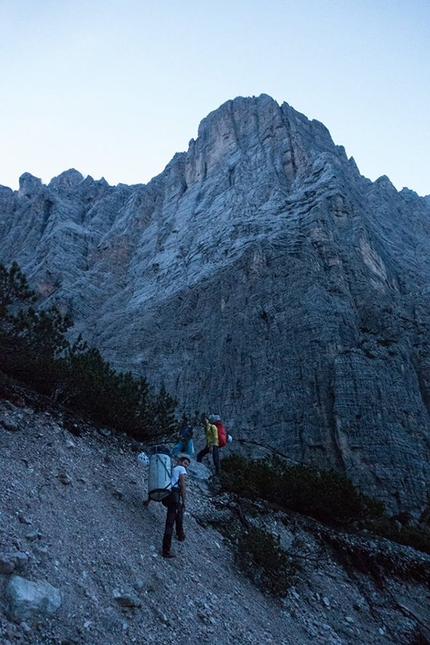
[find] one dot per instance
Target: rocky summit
(261, 276)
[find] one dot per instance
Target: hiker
(212, 444)
(185, 441)
(223, 438)
(175, 503)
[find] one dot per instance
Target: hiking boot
(168, 555)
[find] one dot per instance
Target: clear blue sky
(114, 88)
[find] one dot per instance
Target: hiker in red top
(222, 435)
(216, 438)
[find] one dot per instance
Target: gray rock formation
(259, 276)
(26, 598)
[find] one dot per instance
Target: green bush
(407, 535)
(90, 386)
(259, 555)
(418, 638)
(34, 349)
(14, 290)
(328, 496)
(30, 340)
(364, 556)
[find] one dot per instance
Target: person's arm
(183, 487)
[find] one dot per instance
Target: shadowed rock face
(261, 276)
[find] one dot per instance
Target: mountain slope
(260, 275)
(71, 507)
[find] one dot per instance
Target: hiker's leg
(203, 453)
(176, 449)
(180, 520)
(170, 521)
(215, 455)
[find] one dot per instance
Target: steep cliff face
(260, 275)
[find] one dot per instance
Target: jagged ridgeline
(260, 275)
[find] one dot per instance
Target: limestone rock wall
(260, 276)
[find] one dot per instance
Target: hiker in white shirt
(175, 503)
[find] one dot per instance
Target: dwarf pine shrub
(260, 557)
(34, 349)
(328, 496)
(418, 638)
(413, 536)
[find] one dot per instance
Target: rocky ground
(71, 516)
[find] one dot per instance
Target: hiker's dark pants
(174, 515)
(215, 456)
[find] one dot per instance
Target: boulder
(25, 599)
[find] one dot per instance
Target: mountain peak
(29, 185)
(261, 274)
(66, 180)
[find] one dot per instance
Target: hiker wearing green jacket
(212, 445)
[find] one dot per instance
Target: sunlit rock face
(259, 276)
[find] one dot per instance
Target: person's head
(184, 460)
